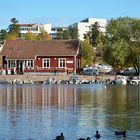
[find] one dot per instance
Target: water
(40, 112)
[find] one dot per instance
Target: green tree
(12, 36)
(134, 43)
(59, 33)
(73, 33)
(43, 35)
(88, 53)
(69, 33)
(122, 41)
(13, 31)
(13, 27)
(97, 39)
(94, 34)
(66, 35)
(30, 36)
(3, 35)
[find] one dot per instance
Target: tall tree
(59, 33)
(13, 27)
(73, 33)
(122, 41)
(134, 43)
(94, 34)
(69, 33)
(88, 53)
(13, 32)
(96, 39)
(66, 35)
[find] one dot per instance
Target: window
(62, 62)
(29, 63)
(46, 63)
(12, 63)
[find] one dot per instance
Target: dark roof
(21, 49)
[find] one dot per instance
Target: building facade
(84, 26)
(34, 28)
(41, 57)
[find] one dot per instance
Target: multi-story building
(34, 28)
(84, 26)
(56, 30)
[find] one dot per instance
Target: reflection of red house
(45, 57)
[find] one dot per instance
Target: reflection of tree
(123, 108)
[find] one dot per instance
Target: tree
(30, 36)
(3, 35)
(88, 53)
(66, 35)
(96, 40)
(12, 36)
(73, 33)
(59, 33)
(43, 35)
(94, 34)
(69, 33)
(134, 55)
(12, 33)
(13, 27)
(121, 42)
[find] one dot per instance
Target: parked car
(93, 72)
(104, 68)
(128, 72)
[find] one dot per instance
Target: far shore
(39, 78)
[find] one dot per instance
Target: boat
(104, 68)
(119, 79)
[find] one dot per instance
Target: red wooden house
(41, 57)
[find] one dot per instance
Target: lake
(41, 112)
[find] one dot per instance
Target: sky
(65, 12)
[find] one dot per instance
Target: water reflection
(39, 112)
(59, 96)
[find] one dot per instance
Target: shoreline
(40, 78)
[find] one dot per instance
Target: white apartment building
(34, 28)
(84, 26)
(55, 30)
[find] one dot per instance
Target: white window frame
(29, 63)
(47, 62)
(12, 63)
(63, 61)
